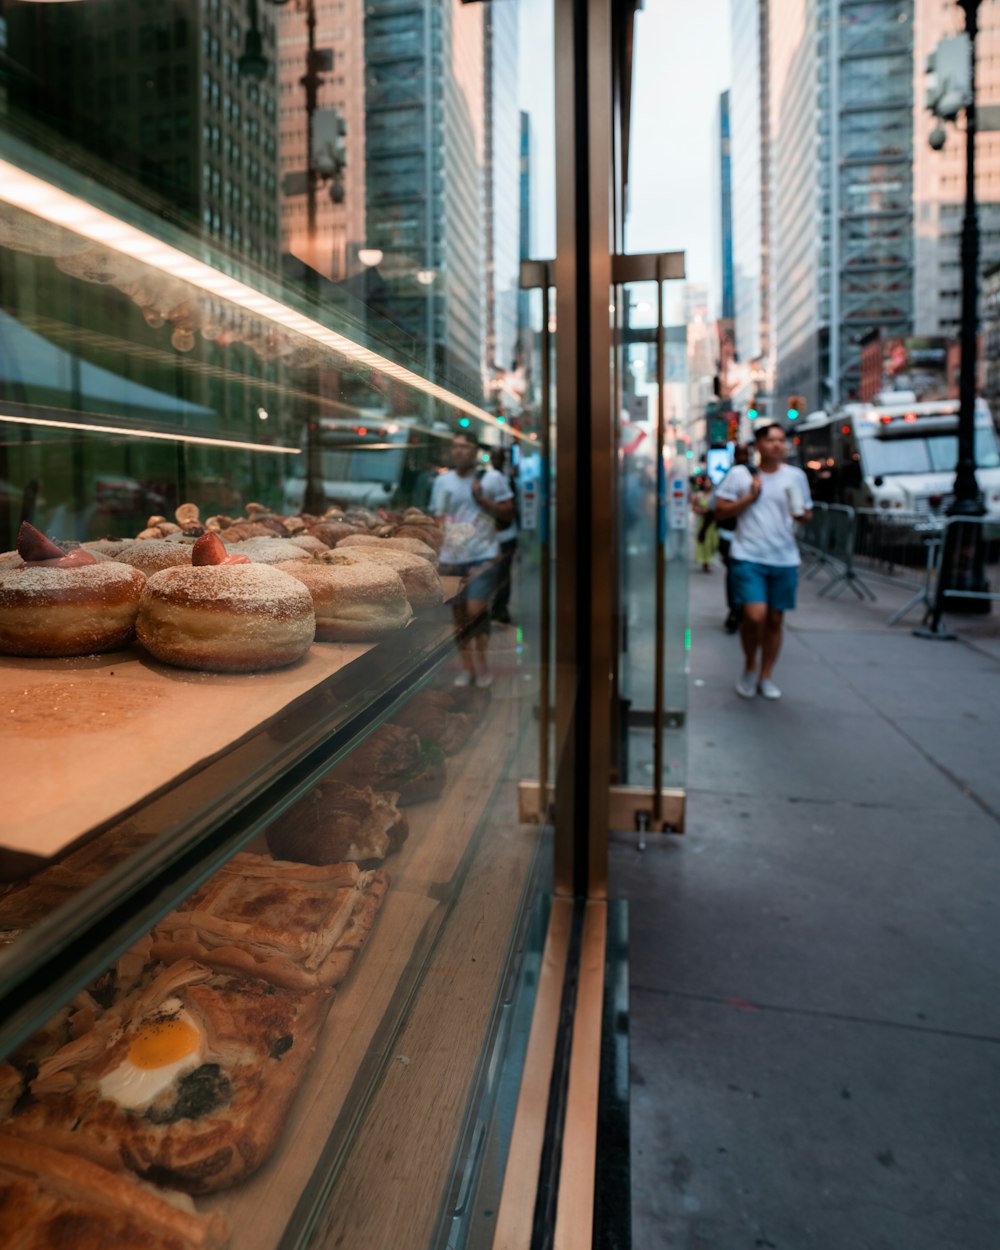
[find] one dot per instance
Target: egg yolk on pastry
(162, 1050)
(163, 1042)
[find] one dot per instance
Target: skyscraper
(939, 177)
(424, 199)
(749, 105)
(841, 117)
(340, 198)
(155, 93)
(724, 209)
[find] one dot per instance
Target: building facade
(750, 171)
(724, 209)
(939, 177)
(842, 227)
(331, 247)
(155, 96)
(424, 201)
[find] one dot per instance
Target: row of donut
(202, 603)
(327, 530)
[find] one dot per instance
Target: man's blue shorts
(479, 579)
(773, 584)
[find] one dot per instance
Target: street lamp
(953, 86)
(968, 499)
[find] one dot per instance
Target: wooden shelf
(84, 740)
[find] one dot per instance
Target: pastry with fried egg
(298, 925)
(191, 1086)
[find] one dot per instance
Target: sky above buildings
(681, 69)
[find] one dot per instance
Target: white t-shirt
(470, 534)
(764, 530)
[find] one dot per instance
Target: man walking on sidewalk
(764, 553)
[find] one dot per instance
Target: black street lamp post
(968, 499)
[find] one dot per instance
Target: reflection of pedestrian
(765, 556)
(727, 530)
(707, 535)
(507, 539)
(472, 504)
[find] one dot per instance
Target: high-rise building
(424, 198)
(332, 247)
(749, 105)
(502, 189)
(156, 94)
(724, 209)
(939, 177)
(841, 89)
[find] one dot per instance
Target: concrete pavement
(814, 965)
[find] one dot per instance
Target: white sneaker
(768, 689)
(746, 687)
(484, 679)
(464, 678)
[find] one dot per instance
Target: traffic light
(796, 407)
(752, 414)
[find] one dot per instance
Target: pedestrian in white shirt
(764, 554)
(472, 504)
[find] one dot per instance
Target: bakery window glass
(274, 576)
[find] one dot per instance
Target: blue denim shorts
(479, 580)
(773, 584)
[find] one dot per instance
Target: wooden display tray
(84, 740)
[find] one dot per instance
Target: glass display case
(270, 925)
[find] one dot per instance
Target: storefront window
(276, 325)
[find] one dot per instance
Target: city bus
(896, 455)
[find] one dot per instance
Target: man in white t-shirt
(473, 504)
(764, 554)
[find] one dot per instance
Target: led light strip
(125, 432)
(36, 196)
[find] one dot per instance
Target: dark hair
(465, 436)
(762, 431)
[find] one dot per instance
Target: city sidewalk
(815, 1023)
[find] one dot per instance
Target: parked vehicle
(896, 455)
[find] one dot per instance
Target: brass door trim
(575, 1209)
(638, 807)
(629, 807)
(516, 1213)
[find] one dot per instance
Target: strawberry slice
(210, 549)
(40, 552)
(33, 546)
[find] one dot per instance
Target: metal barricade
(968, 569)
(839, 548)
(899, 549)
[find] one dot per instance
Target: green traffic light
(752, 414)
(792, 413)
(464, 422)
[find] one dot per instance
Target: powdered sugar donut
(225, 614)
(61, 604)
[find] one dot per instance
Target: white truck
(895, 455)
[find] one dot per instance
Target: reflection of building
(155, 93)
(702, 358)
(503, 192)
(340, 200)
(939, 177)
(423, 194)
